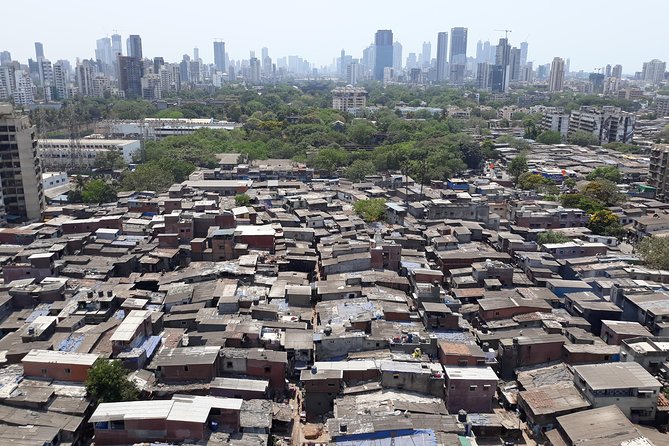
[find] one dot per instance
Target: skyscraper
(134, 46)
(483, 76)
(130, 72)
(556, 82)
(479, 52)
(442, 51)
(383, 52)
(219, 56)
(39, 50)
(500, 76)
(84, 75)
(515, 56)
(5, 57)
(458, 53)
(426, 55)
(22, 191)
(523, 54)
(117, 46)
(397, 56)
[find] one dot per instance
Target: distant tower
(426, 55)
(523, 54)
(397, 56)
(219, 56)
(383, 52)
(39, 50)
(442, 52)
(134, 46)
(617, 71)
(117, 46)
(556, 82)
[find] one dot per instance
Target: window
(473, 388)
(396, 376)
(486, 386)
(68, 371)
(268, 369)
(185, 368)
(44, 372)
(228, 364)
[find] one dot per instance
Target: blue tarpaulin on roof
(408, 437)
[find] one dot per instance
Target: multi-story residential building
(59, 82)
(151, 87)
(624, 384)
(653, 71)
(657, 175)
(219, 56)
(555, 120)
(85, 78)
(23, 92)
(349, 98)
(134, 46)
(20, 169)
(662, 105)
(608, 124)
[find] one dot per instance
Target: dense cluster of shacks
(290, 320)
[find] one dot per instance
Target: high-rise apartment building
(84, 75)
(103, 51)
(442, 52)
(383, 52)
(219, 56)
(556, 82)
(653, 71)
(130, 72)
(59, 82)
(483, 76)
(254, 67)
(20, 169)
(617, 71)
(134, 46)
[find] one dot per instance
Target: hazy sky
(590, 32)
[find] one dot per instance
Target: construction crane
(505, 31)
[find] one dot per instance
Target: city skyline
(547, 39)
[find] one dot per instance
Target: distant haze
(592, 33)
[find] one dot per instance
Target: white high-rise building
(59, 81)
(397, 56)
(556, 82)
(653, 71)
(23, 93)
(85, 78)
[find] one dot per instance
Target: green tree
(549, 137)
(610, 173)
(329, 159)
(359, 169)
(370, 210)
(110, 160)
(580, 201)
(98, 191)
(517, 166)
(581, 138)
(108, 382)
(242, 199)
(605, 222)
(170, 114)
(149, 176)
(534, 181)
(361, 132)
(604, 191)
(552, 237)
(655, 252)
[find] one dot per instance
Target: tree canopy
(370, 210)
(98, 191)
(605, 222)
(517, 166)
(552, 237)
(655, 252)
(107, 382)
(610, 173)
